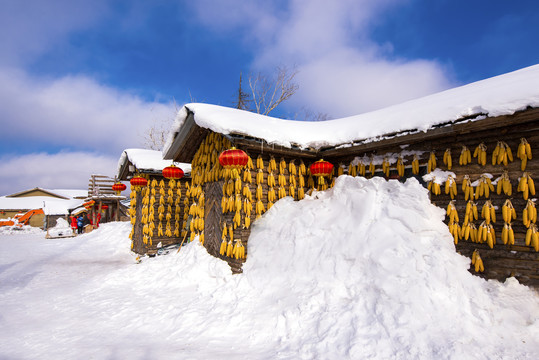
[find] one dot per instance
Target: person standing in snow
(80, 223)
(86, 221)
(98, 219)
(74, 225)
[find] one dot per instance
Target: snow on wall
(500, 95)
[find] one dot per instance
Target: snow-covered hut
(417, 138)
(166, 223)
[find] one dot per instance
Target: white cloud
(74, 112)
(341, 70)
(64, 170)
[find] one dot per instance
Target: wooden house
(103, 203)
(461, 136)
(157, 210)
(53, 204)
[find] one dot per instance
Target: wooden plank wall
(139, 245)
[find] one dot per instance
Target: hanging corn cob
(282, 166)
(447, 159)
(247, 193)
(451, 212)
(532, 237)
(431, 163)
(292, 170)
(271, 180)
(481, 153)
(259, 162)
(524, 153)
(361, 168)
(488, 212)
(247, 176)
(260, 176)
(385, 166)
(238, 250)
(504, 184)
(451, 186)
(484, 187)
(486, 234)
(502, 154)
(352, 170)
(465, 156)
(272, 166)
(415, 165)
(526, 185)
(302, 169)
(455, 230)
(467, 188)
(301, 193)
(434, 187)
(259, 192)
(508, 236)
(508, 211)
(400, 166)
(529, 214)
(477, 262)
(282, 180)
(471, 212)
(223, 248)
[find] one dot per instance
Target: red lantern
(321, 168)
(104, 207)
(119, 187)
(138, 181)
(172, 172)
(233, 159)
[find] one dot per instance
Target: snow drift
(366, 270)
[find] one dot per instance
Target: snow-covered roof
(148, 160)
(50, 206)
(71, 193)
(500, 95)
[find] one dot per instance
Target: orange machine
(21, 219)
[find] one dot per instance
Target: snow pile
(16, 229)
(365, 270)
(369, 270)
(62, 228)
(500, 95)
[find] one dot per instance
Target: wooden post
(117, 214)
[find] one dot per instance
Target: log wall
(145, 241)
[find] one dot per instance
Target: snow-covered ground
(366, 270)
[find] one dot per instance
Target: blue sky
(83, 80)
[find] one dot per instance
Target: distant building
(53, 203)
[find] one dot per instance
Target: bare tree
(306, 114)
(243, 97)
(268, 94)
(156, 136)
